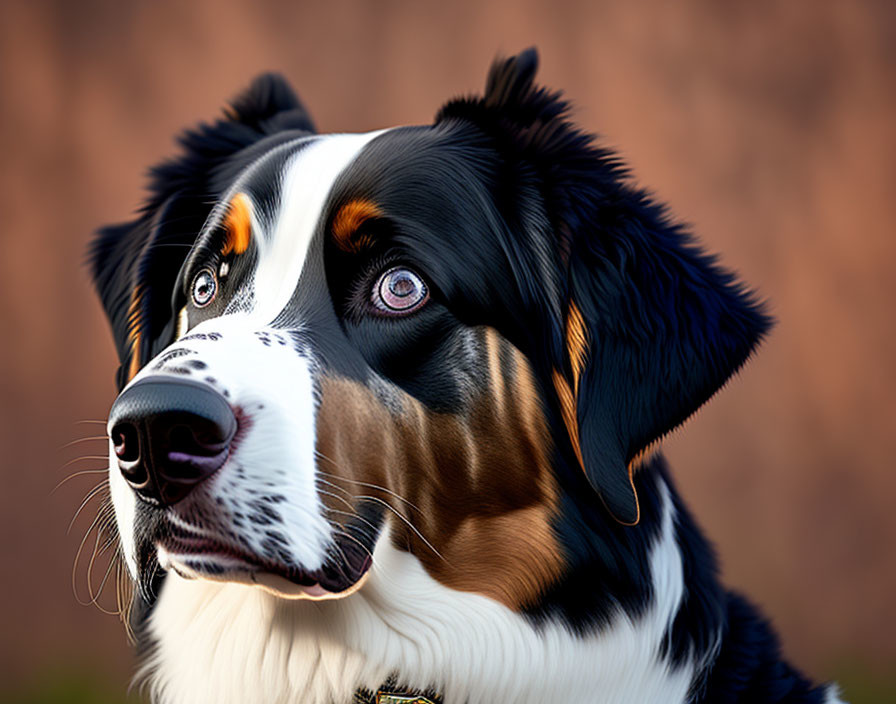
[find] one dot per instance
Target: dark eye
(204, 288)
(399, 291)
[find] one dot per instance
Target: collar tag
(389, 698)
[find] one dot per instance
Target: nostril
(169, 435)
(181, 439)
(126, 442)
(199, 439)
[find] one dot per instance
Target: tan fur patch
(576, 344)
(472, 494)
(568, 410)
(238, 225)
(347, 224)
(577, 349)
(134, 333)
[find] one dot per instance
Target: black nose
(169, 435)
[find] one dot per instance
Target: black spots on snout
(269, 339)
(219, 387)
(276, 547)
(185, 368)
(276, 543)
(172, 354)
(206, 567)
(264, 337)
(208, 336)
(261, 514)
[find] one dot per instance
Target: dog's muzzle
(169, 436)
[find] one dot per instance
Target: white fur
(233, 643)
(276, 447)
(832, 695)
(125, 503)
(308, 179)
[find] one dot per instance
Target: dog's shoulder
(750, 668)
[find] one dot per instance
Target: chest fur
(233, 643)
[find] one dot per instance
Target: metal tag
(387, 698)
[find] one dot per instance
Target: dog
(389, 414)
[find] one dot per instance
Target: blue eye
(399, 291)
(205, 286)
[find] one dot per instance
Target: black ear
(650, 326)
(135, 265)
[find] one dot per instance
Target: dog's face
(354, 341)
(465, 333)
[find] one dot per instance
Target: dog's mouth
(201, 557)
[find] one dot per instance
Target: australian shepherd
(389, 416)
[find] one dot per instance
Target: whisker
(384, 503)
(367, 484)
(104, 526)
(409, 524)
(341, 552)
(412, 527)
(355, 540)
(124, 594)
(336, 496)
(354, 514)
(78, 474)
(81, 422)
(338, 488)
(80, 440)
(85, 457)
(93, 525)
(90, 495)
(94, 598)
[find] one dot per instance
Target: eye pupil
(401, 284)
(204, 288)
(399, 290)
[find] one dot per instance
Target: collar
(392, 693)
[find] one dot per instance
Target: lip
(201, 557)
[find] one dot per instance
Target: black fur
(146, 255)
(667, 325)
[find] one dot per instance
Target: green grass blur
(60, 686)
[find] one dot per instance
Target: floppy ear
(135, 265)
(649, 327)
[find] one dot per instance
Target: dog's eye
(204, 288)
(399, 291)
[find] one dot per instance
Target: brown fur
(476, 486)
(347, 224)
(238, 225)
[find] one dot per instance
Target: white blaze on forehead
(307, 180)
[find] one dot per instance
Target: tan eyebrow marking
(348, 221)
(238, 225)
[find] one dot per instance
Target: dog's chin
(281, 582)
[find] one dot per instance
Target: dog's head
(451, 330)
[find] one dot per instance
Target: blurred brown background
(768, 126)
